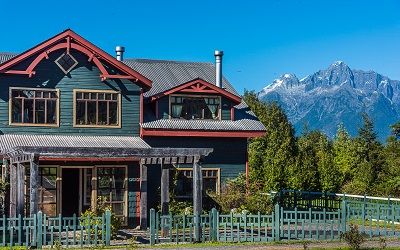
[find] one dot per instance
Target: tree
(271, 155)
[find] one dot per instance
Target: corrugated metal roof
(9, 141)
(4, 56)
(245, 120)
(166, 75)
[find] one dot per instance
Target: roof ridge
(163, 61)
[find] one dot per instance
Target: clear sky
(260, 39)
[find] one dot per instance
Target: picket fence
(375, 219)
(40, 230)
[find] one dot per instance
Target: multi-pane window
(111, 185)
(34, 106)
(195, 107)
(48, 190)
(185, 181)
(97, 108)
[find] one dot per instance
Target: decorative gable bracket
(72, 41)
(199, 86)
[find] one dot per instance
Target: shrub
(353, 237)
(97, 211)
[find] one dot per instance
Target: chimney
(120, 52)
(218, 67)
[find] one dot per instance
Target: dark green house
(78, 123)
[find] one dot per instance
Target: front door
(70, 192)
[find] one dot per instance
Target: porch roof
(78, 146)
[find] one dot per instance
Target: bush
(233, 197)
(97, 211)
(353, 237)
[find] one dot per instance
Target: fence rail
(376, 219)
(41, 230)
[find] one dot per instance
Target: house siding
(84, 76)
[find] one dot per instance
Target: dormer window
(195, 107)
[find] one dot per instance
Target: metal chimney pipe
(218, 67)
(120, 52)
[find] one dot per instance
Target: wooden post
(143, 195)
(34, 185)
(197, 195)
(13, 191)
(164, 195)
(20, 189)
(6, 194)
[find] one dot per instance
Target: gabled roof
(167, 75)
(199, 86)
(70, 40)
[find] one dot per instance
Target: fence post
(343, 216)
(108, 227)
(39, 229)
(277, 223)
(152, 226)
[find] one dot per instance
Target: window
(111, 185)
(185, 181)
(66, 62)
(195, 107)
(97, 108)
(34, 107)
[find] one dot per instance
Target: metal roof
(245, 120)
(167, 75)
(4, 56)
(9, 141)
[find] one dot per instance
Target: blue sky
(260, 39)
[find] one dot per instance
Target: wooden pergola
(20, 155)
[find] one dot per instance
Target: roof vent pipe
(120, 52)
(218, 67)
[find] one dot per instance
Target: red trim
(87, 159)
(141, 106)
(166, 132)
(77, 42)
(232, 112)
(199, 86)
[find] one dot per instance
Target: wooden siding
(84, 76)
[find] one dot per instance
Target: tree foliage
(361, 164)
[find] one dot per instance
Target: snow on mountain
(337, 95)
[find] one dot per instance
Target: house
(82, 124)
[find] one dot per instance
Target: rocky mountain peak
(337, 95)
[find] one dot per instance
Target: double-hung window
(34, 107)
(93, 108)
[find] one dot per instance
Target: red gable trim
(77, 42)
(199, 86)
(199, 133)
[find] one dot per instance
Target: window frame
(202, 169)
(57, 109)
(119, 106)
(195, 96)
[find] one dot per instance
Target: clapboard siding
(84, 76)
(230, 154)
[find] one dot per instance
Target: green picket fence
(375, 219)
(41, 230)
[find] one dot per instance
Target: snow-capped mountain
(337, 95)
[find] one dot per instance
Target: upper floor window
(195, 107)
(34, 107)
(97, 108)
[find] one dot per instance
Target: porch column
(34, 185)
(143, 195)
(6, 194)
(20, 189)
(197, 195)
(164, 193)
(13, 190)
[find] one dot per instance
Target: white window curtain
(176, 111)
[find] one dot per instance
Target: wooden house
(78, 123)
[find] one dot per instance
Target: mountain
(337, 95)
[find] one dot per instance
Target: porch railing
(41, 230)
